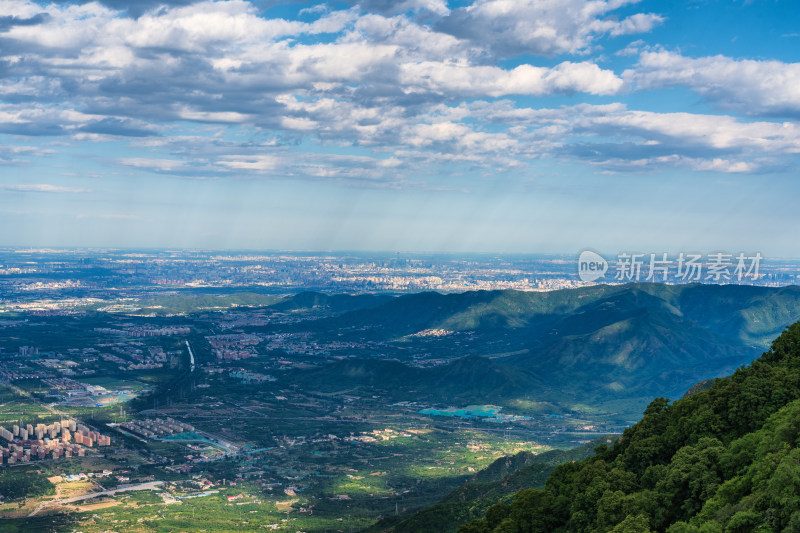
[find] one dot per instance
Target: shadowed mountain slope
(589, 346)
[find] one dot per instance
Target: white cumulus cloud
(543, 27)
(765, 87)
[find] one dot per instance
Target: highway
(150, 485)
(191, 357)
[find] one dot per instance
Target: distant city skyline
(497, 126)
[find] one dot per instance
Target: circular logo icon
(591, 266)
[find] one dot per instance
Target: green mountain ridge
(753, 315)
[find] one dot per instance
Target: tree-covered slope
(467, 379)
(337, 303)
(722, 459)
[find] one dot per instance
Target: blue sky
(417, 125)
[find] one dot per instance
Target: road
(150, 485)
(191, 357)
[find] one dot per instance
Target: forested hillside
(722, 459)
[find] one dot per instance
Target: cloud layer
(543, 27)
(380, 93)
(753, 87)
